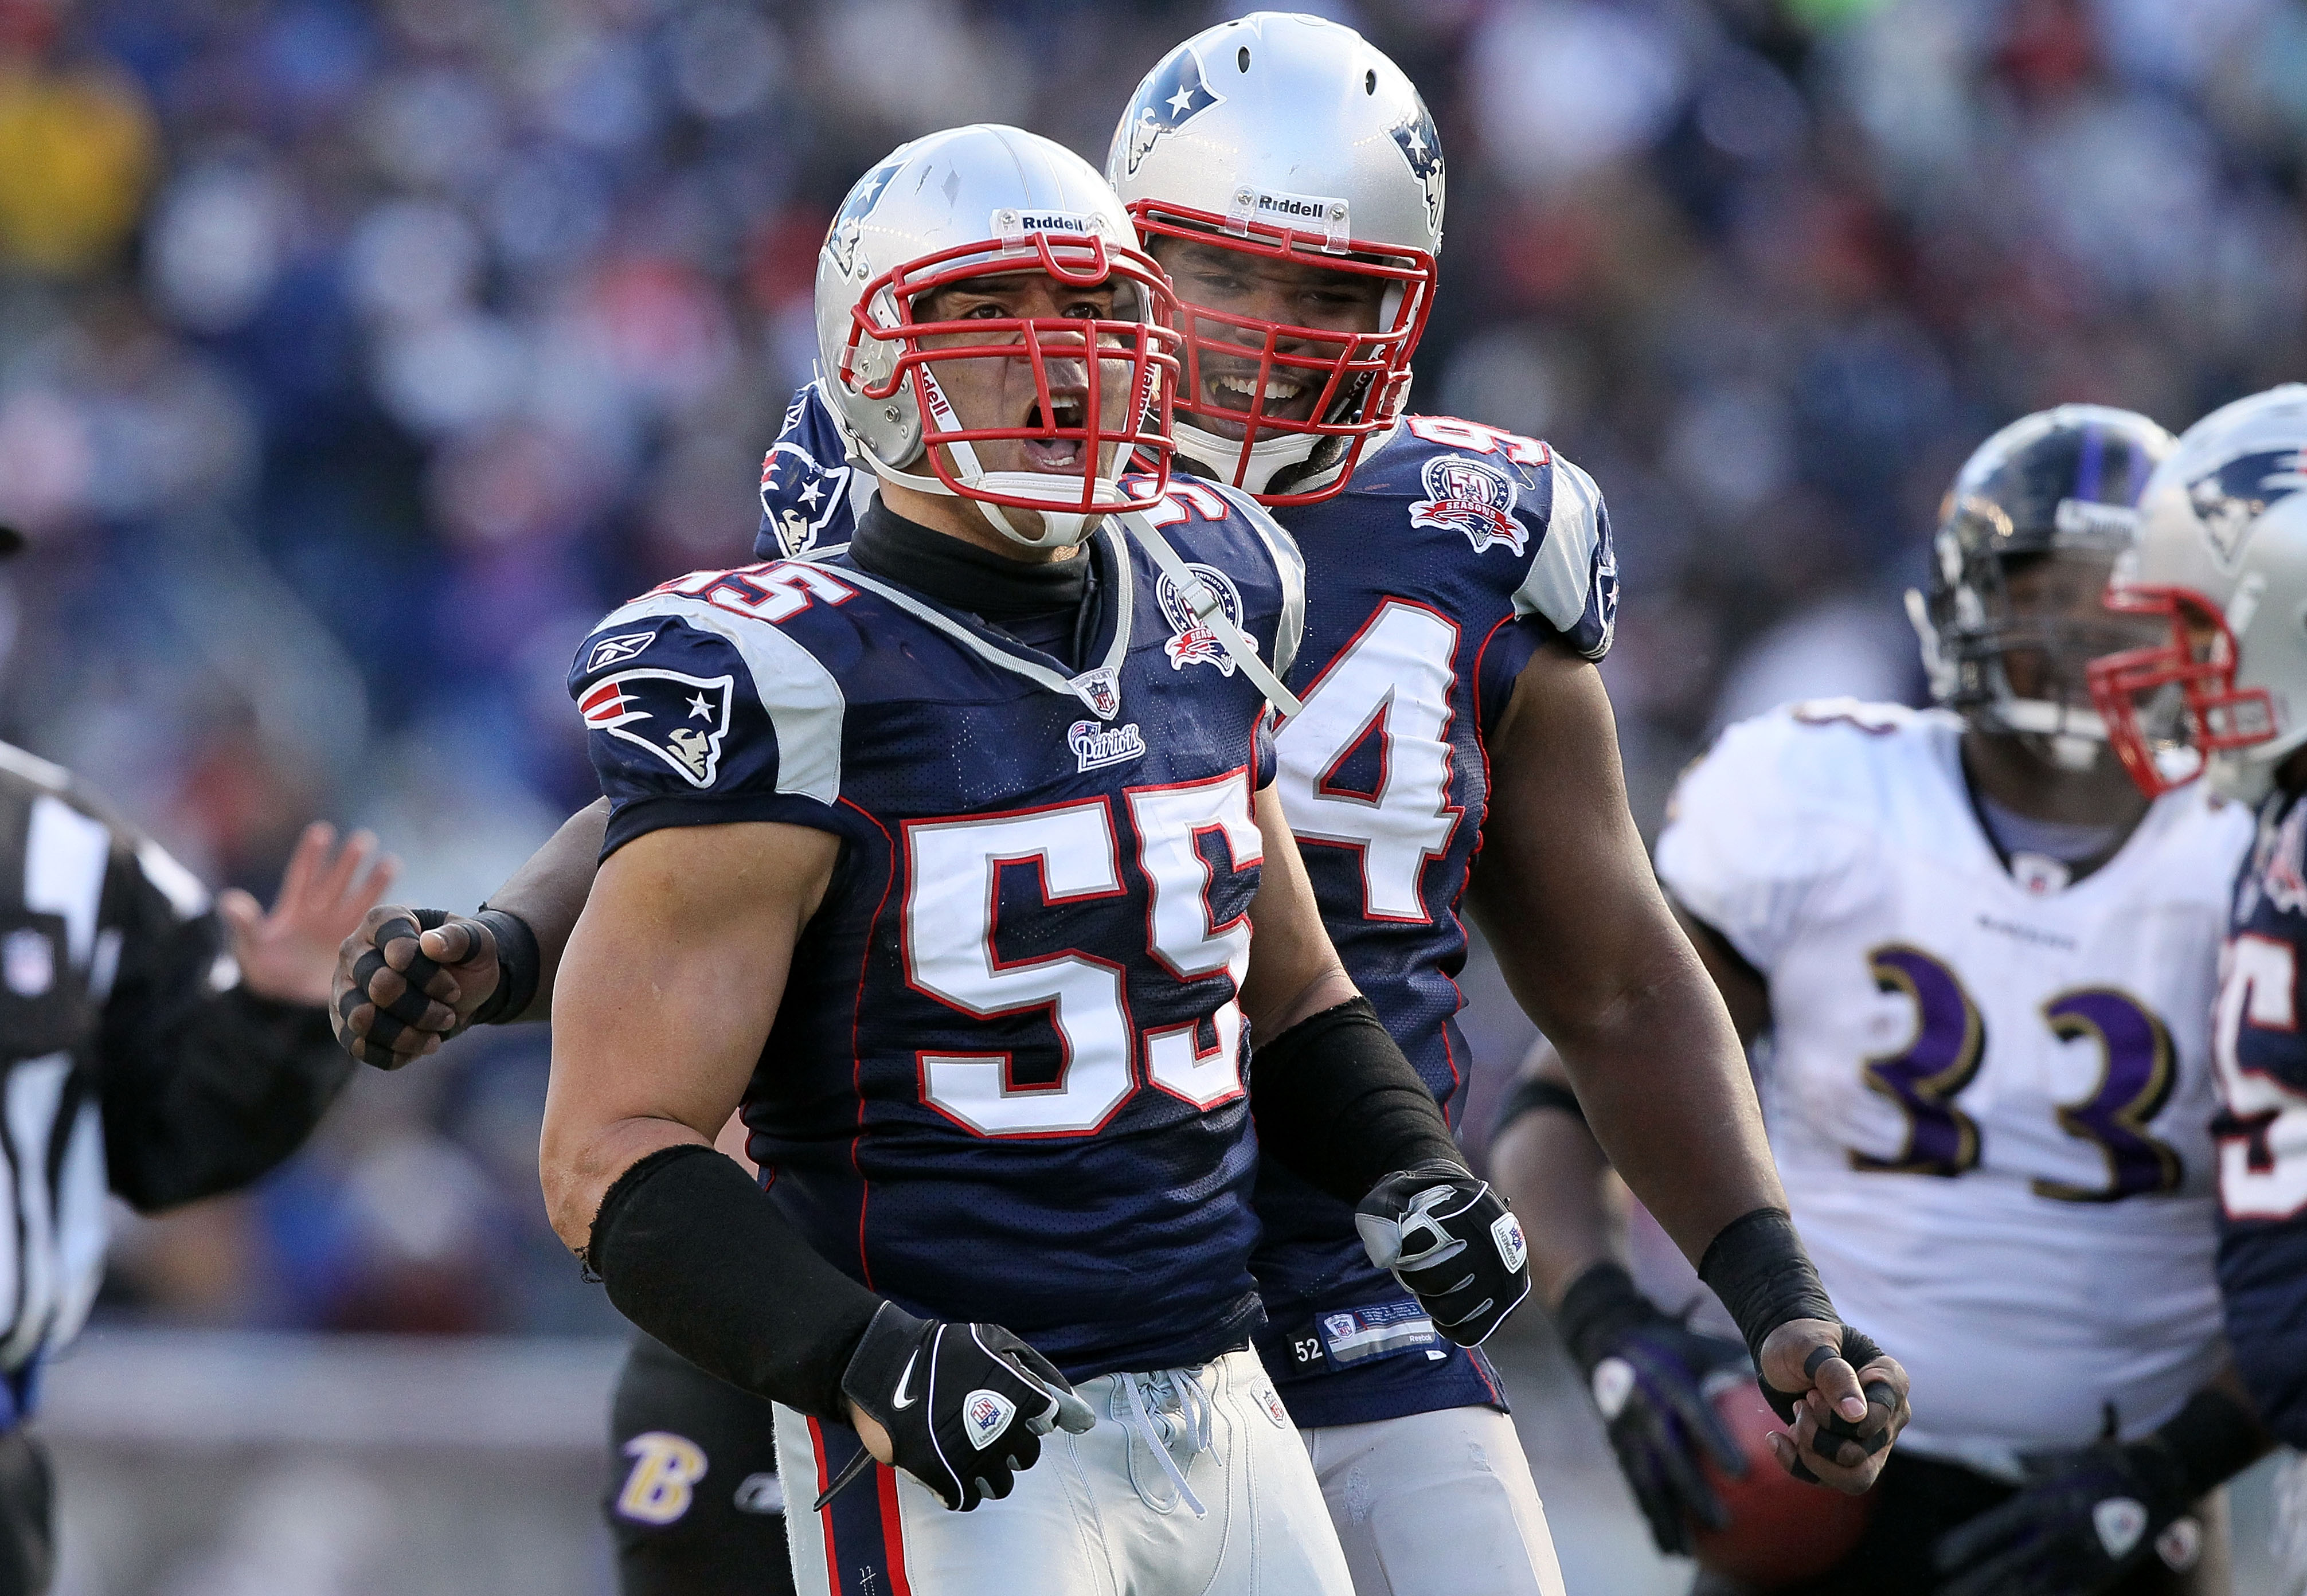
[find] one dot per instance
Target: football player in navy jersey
(2222, 559)
(1462, 584)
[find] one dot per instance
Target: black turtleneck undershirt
(1045, 605)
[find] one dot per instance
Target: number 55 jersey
(1989, 1093)
(1005, 1079)
(2261, 1054)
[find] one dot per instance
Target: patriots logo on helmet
(680, 718)
(1196, 644)
(800, 494)
(1421, 147)
(2229, 500)
(1174, 94)
(1472, 496)
(849, 224)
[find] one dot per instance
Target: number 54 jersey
(1989, 1097)
(1005, 1079)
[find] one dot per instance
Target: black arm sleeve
(694, 1253)
(201, 1090)
(1337, 1104)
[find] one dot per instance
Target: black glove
(966, 1405)
(1453, 1244)
(1651, 1375)
(2088, 1519)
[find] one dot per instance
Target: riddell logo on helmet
(1325, 214)
(1010, 224)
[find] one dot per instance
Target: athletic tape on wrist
(519, 966)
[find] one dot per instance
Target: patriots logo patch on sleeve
(680, 718)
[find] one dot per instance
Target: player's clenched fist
(1845, 1397)
(1452, 1242)
(407, 980)
(960, 1407)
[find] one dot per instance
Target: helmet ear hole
(1370, 81)
(1241, 58)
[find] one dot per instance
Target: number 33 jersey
(1005, 1079)
(1990, 1105)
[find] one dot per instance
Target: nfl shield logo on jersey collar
(1473, 496)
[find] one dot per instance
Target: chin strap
(1209, 611)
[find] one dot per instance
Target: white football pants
(1099, 1514)
(1437, 1504)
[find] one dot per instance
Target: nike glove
(966, 1405)
(1453, 1244)
(1652, 1376)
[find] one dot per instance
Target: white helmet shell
(2226, 517)
(1286, 126)
(979, 197)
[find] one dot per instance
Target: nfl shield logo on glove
(985, 1415)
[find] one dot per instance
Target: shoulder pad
(809, 484)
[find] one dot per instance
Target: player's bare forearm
(549, 893)
(1586, 941)
(671, 981)
(1293, 971)
(1553, 1171)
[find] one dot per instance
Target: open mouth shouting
(1061, 456)
(1233, 385)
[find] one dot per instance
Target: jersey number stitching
(952, 899)
(1391, 684)
(2262, 1136)
(1949, 1044)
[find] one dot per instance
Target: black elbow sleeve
(697, 1255)
(1337, 1104)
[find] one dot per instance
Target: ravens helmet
(2064, 482)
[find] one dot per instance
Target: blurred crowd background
(355, 357)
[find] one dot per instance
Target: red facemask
(2199, 660)
(1069, 356)
(1363, 376)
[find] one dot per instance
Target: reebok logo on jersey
(680, 718)
(610, 651)
(1472, 496)
(984, 1415)
(1095, 746)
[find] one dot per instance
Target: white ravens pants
(1437, 1504)
(1099, 1514)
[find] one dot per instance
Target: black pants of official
(1917, 1500)
(693, 1499)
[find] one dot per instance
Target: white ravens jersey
(1989, 1100)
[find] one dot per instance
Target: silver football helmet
(1287, 138)
(964, 209)
(2222, 559)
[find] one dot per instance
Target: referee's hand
(287, 954)
(398, 994)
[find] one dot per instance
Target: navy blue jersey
(2260, 1054)
(1456, 553)
(1005, 1081)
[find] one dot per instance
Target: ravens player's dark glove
(966, 1405)
(1453, 1244)
(2088, 1518)
(1652, 1376)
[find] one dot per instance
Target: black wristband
(519, 966)
(1337, 1104)
(1757, 1265)
(1534, 1095)
(1600, 1305)
(697, 1255)
(2213, 1438)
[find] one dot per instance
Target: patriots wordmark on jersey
(2262, 1127)
(1989, 1097)
(1457, 552)
(1005, 1082)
